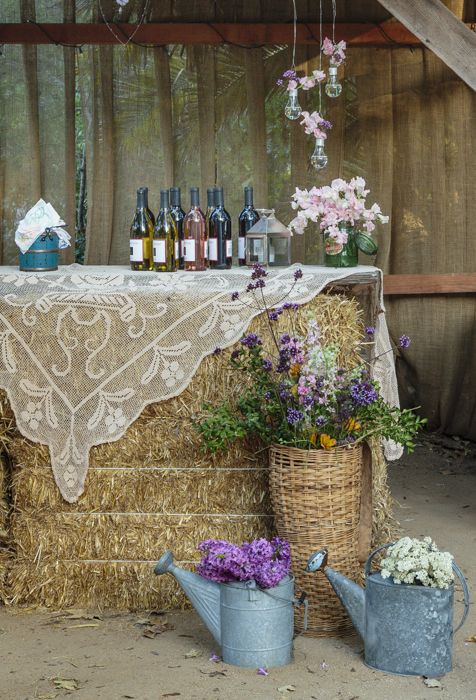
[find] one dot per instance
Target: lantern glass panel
(256, 249)
(279, 250)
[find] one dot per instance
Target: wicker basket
(316, 500)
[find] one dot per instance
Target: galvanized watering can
(406, 629)
(254, 627)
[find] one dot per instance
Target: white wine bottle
(178, 215)
(165, 240)
(142, 230)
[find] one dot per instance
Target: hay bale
(103, 585)
(4, 509)
(145, 493)
(7, 430)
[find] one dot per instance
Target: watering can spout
(349, 593)
(203, 594)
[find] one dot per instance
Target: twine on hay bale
(145, 493)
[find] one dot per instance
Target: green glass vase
(341, 255)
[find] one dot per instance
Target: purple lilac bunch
(265, 561)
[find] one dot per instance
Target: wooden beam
(390, 33)
(450, 283)
(441, 31)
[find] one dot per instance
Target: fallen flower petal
(215, 658)
(262, 672)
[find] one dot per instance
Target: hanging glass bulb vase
(319, 158)
(293, 108)
(333, 87)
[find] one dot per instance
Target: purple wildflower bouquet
(298, 394)
(267, 562)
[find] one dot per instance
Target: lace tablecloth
(85, 349)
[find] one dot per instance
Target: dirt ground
(89, 655)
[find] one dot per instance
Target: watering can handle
(368, 563)
(464, 586)
(456, 569)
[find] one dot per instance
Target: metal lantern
(269, 241)
(279, 243)
(256, 242)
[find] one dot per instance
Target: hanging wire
(320, 55)
(44, 31)
(334, 12)
(294, 33)
(140, 22)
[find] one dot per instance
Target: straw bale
(3, 500)
(5, 560)
(153, 489)
(113, 585)
(73, 536)
(7, 430)
(147, 490)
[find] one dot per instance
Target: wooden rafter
(389, 33)
(441, 31)
(449, 283)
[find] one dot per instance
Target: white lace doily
(85, 349)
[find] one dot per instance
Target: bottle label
(159, 252)
(205, 250)
(137, 249)
(213, 249)
(189, 249)
(241, 248)
(229, 248)
(176, 250)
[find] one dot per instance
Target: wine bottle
(248, 218)
(178, 216)
(210, 203)
(146, 195)
(142, 230)
(165, 241)
(194, 234)
(219, 237)
(209, 212)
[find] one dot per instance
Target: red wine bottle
(248, 218)
(219, 238)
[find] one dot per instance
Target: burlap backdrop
(196, 115)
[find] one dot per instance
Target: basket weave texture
(316, 501)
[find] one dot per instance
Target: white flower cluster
(418, 561)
